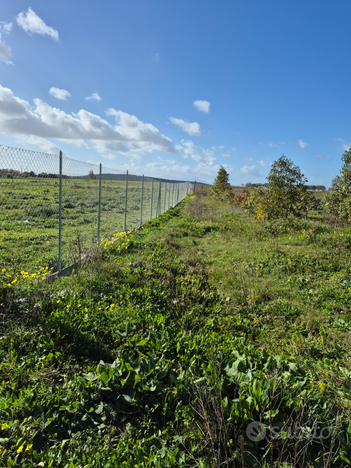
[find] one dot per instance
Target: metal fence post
(164, 201)
(152, 197)
(158, 200)
(141, 201)
(60, 212)
(99, 211)
(125, 205)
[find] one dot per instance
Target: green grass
(29, 217)
(161, 352)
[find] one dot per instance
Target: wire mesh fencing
(54, 208)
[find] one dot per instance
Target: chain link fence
(53, 208)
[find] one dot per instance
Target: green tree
(286, 191)
(339, 201)
(222, 189)
(91, 175)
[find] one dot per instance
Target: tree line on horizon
(315, 188)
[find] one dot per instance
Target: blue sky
(178, 88)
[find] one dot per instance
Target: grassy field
(30, 208)
(163, 349)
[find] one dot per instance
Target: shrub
(339, 201)
(286, 191)
(242, 196)
(222, 189)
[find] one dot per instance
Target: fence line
(53, 208)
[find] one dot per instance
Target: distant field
(30, 213)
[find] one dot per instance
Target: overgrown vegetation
(287, 195)
(339, 202)
(162, 350)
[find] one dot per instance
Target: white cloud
(192, 128)
(102, 146)
(109, 156)
(302, 144)
(139, 135)
(5, 53)
(251, 171)
(281, 143)
(171, 161)
(18, 117)
(32, 24)
(59, 93)
(76, 142)
(135, 158)
(208, 157)
(249, 159)
(218, 148)
(226, 155)
(261, 163)
(318, 156)
(42, 143)
(93, 97)
(329, 157)
(270, 145)
(203, 106)
(5, 27)
(234, 150)
(207, 152)
(345, 146)
(189, 149)
(5, 50)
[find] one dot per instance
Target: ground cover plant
(169, 343)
